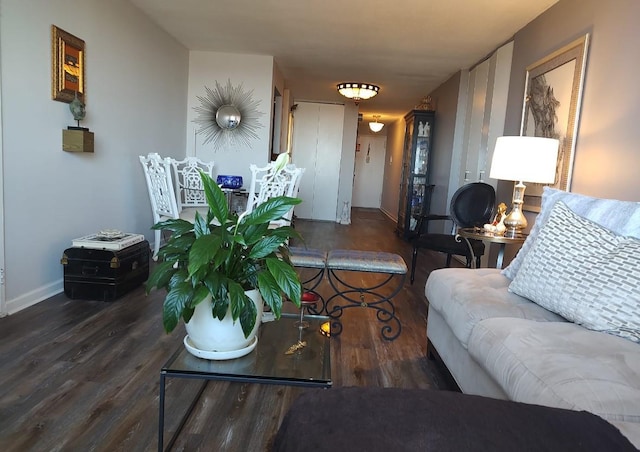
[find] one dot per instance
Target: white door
(317, 146)
(369, 171)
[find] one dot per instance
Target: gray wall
(446, 99)
(606, 156)
(136, 80)
(393, 169)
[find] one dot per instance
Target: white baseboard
(391, 216)
(34, 297)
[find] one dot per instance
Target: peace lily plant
(222, 256)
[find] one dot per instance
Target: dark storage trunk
(104, 274)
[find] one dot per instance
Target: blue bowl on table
(229, 181)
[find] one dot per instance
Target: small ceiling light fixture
(376, 126)
(358, 91)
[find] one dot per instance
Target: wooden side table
(480, 234)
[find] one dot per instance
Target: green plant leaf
(187, 313)
(180, 276)
(176, 226)
(285, 232)
(215, 198)
(199, 275)
(219, 307)
(236, 298)
(174, 303)
(270, 210)
(160, 276)
(255, 232)
(287, 279)
(216, 284)
(265, 247)
(203, 251)
(200, 226)
(248, 316)
(201, 292)
(271, 293)
(180, 243)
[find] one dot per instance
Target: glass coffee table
(276, 360)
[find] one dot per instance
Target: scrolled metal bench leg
(385, 310)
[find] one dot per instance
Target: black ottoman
(390, 419)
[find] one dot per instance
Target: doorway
(368, 172)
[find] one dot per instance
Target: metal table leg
(183, 420)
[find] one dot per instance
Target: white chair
(269, 182)
(187, 182)
(164, 205)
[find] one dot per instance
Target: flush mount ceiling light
(376, 126)
(358, 91)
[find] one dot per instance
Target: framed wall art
(551, 109)
(67, 66)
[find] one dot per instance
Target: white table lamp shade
(526, 159)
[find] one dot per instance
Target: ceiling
(407, 47)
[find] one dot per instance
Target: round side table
(480, 234)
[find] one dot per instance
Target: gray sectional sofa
(560, 326)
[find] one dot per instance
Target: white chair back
(187, 182)
(159, 183)
(268, 182)
(157, 172)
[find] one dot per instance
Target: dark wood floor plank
(84, 375)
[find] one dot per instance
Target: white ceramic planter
(210, 334)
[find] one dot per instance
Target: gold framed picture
(67, 66)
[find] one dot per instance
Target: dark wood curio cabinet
(415, 189)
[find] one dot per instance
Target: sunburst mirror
(228, 115)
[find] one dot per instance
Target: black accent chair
(472, 205)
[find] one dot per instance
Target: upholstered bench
(337, 261)
(350, 296)
(392, 419)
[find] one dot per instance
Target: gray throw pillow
(585, 273)
(621, 217)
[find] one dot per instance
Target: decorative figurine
(425, 104)
(78, 111)
(497, 225)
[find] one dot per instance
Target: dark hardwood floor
(82, 375)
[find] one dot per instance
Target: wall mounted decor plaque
(67, 66)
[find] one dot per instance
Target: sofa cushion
(621, 217)
(585, 273)
(561, 365)
(464, 297)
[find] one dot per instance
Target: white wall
(255, 73)
(136, 80)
